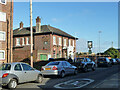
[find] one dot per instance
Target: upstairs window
(2, 17)
(65, 44)
(28, 41)
(3, 1)
(54, 40)
(73, 43)
(2, 36)
(69, 42)
(17, 41)
(23, 41)
(60, 41)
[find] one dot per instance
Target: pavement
(111, 82)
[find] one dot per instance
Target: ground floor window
(2, 54)
(43, 56)
(54, 54)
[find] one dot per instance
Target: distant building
(6, 30)
(49, 42)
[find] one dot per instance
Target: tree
(114, 53)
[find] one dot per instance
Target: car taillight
(54, 68)
(5, 75)
(42, 69)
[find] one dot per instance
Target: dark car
(103, 62)
(84, 64)
(113, 61)
(118, 60)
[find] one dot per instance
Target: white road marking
(75, 82)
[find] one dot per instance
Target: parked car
(118, 60)
(18, 72)
(113, 61)
(103, 62)
(60, 68)
(84, 64)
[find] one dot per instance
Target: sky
(81, 19)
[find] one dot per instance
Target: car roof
(13, 63)
(58, 61)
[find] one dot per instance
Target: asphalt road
(99, 75)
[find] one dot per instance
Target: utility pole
(31, 33)
(112, 44)
(99, 41)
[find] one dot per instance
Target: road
(99, 75)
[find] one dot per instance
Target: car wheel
(39, 79)
(12, 84)
(85, 69)
(62, 74)
(75, 72)
(93, 68)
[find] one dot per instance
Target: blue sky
(81, 19)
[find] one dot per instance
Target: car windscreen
(53, 63)
(80, 59)
(5, 67)
(101, 59)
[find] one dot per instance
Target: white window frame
(65, 42)
(23, 41)
(4, 55)
(27, 41)
(3, 3)
(60, 41)
(73, 43)
(54, 40)
(4, 36)
(2, 17)
(17, 44)
(69, 42)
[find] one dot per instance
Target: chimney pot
(38, 25)
(38, 20)
(21, 24)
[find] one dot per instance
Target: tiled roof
(44, 29)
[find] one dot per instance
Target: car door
(89, 63)
(19, 73)
(66, 68)
(29, 72)
(70, 68)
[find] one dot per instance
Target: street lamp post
(99, 41)
(31, 33)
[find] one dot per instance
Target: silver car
(13, 73)
(60, 68)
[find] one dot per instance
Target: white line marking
(76, 81)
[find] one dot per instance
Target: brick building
(6, 30)
(49, 42)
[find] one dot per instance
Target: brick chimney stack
(21, 25)
(38, 25)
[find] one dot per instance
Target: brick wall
(7, 27)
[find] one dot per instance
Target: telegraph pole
(99, 41)
(31, 33)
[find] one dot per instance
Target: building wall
(6, 26)
(42, 46)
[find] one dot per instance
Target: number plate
(47, 68)
(101, 62)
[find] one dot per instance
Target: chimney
(21, 25)
(38, 25)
